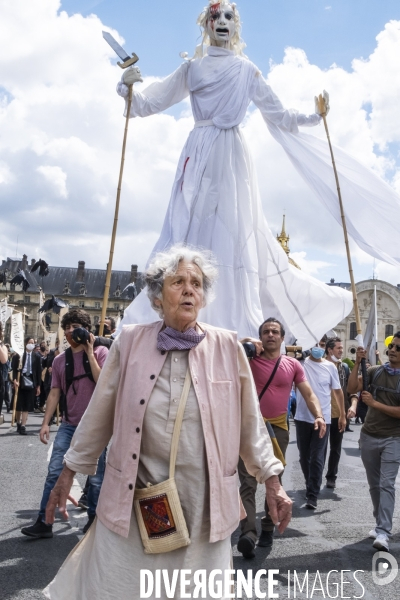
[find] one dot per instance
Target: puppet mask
(221, 24)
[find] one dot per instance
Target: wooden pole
(114, 229)
(16, 391)
(322, 112)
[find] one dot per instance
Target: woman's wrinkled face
(221, 24)
(182, 296)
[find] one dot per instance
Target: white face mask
(30, 347)
(332, 357)
(221, 25)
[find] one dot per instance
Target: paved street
(335, 537)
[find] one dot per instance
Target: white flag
(61, 335)
(17, 333)
(370, 333)
(5, 312)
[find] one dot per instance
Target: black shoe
(351, 430)
(18, 427)
(246, 546)
(311, 503)
(266, 539)
(330, 483)
(38, 530)
(22, 430)
(83, 502)
(88, 524)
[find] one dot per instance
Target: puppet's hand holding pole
(322, 104)
(131, 76)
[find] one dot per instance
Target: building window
(97, 305)
(353, 331)
(116, 306)
(27, 299)
(11, 298)
(389, 330)
(81, 304)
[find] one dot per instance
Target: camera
(80, 335)
(250, 350)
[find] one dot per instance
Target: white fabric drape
(215, 203)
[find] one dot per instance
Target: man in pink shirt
(87, 363)
(274, 375)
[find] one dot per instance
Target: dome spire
(283, 238)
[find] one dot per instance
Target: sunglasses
(395, 346)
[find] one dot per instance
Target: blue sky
(61, 120)
(335, 31)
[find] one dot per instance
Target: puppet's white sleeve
(274, 113)
(158, 96)
(372, 207)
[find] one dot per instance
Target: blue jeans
(61, 444)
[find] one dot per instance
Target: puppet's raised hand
(131, 76)
(318, 108)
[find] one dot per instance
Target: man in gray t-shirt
(380, 436)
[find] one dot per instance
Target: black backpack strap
(69, 370)
(381, 388)
(266, 386)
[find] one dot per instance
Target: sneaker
(42, 409)
(246, 546)
(331, 483)
(83, 502)
(36, 410)
(88, 524)
(266, 539)
(38, 530)
(22, 430)
(311, 503)
(372, 534)
(381, 542)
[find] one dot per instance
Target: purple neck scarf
(390, 371)
(171, 339)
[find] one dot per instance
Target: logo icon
(384, 568)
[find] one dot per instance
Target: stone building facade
(78, 286)
(388, 311)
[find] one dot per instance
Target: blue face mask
(317, 352)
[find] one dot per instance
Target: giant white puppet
(215, 202)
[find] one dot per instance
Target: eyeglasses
(395, 346)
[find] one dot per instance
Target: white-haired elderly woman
(135, 403)
(215, 202)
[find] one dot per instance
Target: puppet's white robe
(215, 203)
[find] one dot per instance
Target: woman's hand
(59, 495)
(279, 503)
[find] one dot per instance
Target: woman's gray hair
(165, 264)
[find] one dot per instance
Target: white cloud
(62, 127)
(56, 177)
(311, 267)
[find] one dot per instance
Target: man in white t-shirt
(323, 377)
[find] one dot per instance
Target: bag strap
(178, 424)
(266, 386)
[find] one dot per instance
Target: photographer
(274, 375)
(74, 374)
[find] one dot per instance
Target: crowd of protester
(318, 391)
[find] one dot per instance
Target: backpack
(70, 378)
(380, 388)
